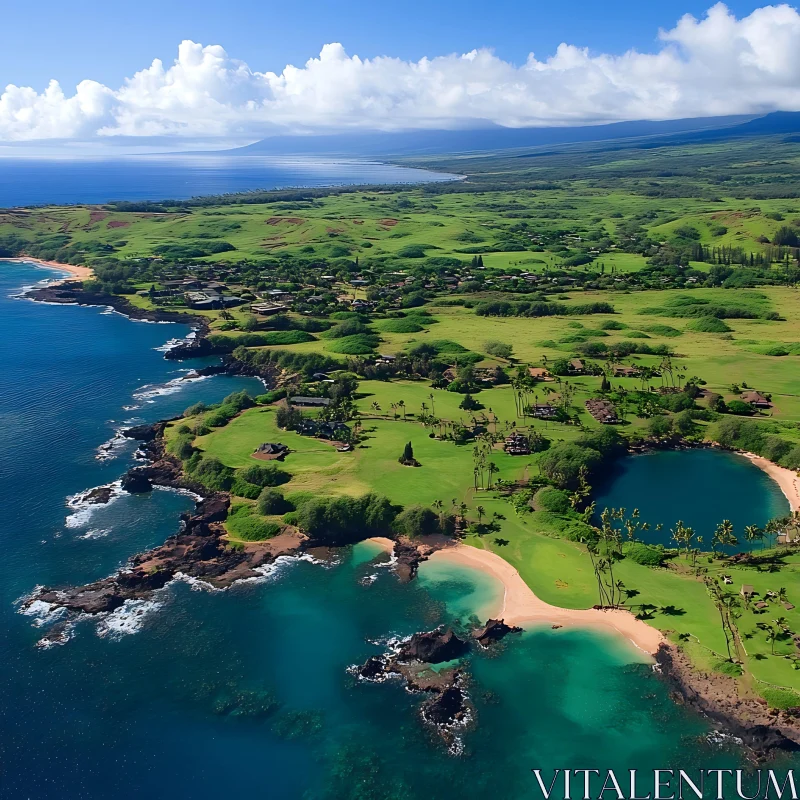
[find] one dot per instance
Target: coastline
(787, 480)
(521, 607)
(75, 272)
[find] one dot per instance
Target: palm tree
(376, 407)
(480, 510)
(402, 406)
(753, 532)
(433, 407)
(493, 469)
(439, 506)
(723, 535)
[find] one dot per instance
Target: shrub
(271, 501)
(244, 524)
(645, 554)
(342, 520)
(562, 462)
(416, 521)
(245, 489)
(211, 472)
(556, 501)
(708, 325)
(780, 698)
(359, 345)
(740, 408)
(263, 476)
(400, 326)
(498, 349)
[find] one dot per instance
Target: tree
(250, 323)
(469, 403)
(723, 536)
(481, 511)
(407, 459)
(498, 349)
(401, 404)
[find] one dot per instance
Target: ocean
(207, 694)
(33, 181)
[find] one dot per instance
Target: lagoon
(699, 486)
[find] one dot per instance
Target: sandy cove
(785, 478)
(523, 608)
(79, 273)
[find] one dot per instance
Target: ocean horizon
(65, 181)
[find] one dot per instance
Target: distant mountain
(417, 143)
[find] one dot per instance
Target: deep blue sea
(163, 703)
(29, 181)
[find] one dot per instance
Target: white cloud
(717, 65)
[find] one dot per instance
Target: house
(746, 591)
(602, 410)
(539, 373)
(268, 309)
(576, 366)
(621, 371)
(321, 376)
(312, 402)
(756, 399)
(543, 411)
(270, 451)
(517, 445)
(386, 359)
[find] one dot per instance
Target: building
(576, 366)
(543, 411)
(517, 445)
(268, 309)
(602, 410)
(621, 371)
(271, 451)
(539, 373)
(755, 399)
(310, 402)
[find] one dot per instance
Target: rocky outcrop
(136, 483)
(72, 293)
(144, 433)
(98, 496)
(447, 706)
(493, 631)
(433, 647)
(763, 731)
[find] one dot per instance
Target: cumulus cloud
(712, 66)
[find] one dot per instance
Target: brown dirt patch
(358, 222)
(97, 216)
(388, 223)
(117, 223)
(287, 220)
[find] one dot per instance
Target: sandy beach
(79, 273)
(785, 478)
(520, 606)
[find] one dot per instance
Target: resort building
(602, 410)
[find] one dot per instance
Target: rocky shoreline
(198, 551)
(763, 732)
(72, 293)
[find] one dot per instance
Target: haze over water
(37, 181)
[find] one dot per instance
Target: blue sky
(109, 40)
(206, 72)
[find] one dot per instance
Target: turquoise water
(246, 692)
(701, 487)
(28, 181)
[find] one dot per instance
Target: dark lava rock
(144, 433)
(100, 495)
(446, 707)
(136, 483)
(434, 647)
(493, 631)
(372, 668)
